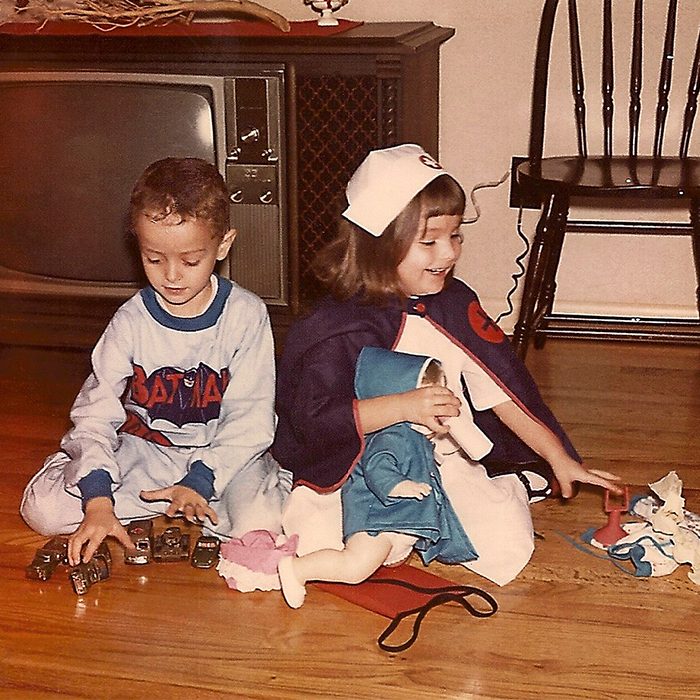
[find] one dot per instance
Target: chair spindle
(539, 92)
(608, 81)
(665, 78)
(577, 84)
(636, 79)
(691, 105)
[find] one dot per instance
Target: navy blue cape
(317, 436)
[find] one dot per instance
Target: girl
(390, 277)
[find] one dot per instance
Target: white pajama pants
(252, 500)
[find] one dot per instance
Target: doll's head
(432, 375)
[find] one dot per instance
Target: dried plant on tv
(111, 14)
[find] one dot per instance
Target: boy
(178, 410)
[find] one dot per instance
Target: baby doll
(393, 500)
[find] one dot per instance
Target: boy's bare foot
(293, 591)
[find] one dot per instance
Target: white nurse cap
(385, 182)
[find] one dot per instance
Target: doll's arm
(389, 466)
(411, 489)
(548, 446)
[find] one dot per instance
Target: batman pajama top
(168, 396)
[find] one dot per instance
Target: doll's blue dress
(395, 454)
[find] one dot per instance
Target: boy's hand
(192, 505)
(411, 489)
(98, 523)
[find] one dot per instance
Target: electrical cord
(521, 268)
(519, 229)
(483, 186)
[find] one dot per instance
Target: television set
(73, 144)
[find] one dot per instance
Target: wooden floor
(570, 626)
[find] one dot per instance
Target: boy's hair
(356, 262)
(187, 188)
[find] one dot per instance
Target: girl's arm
(425, 406)
(548, 446)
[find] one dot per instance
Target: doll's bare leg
(362, 556)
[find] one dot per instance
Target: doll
(393, 500)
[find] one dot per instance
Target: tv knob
(236, 196)
(250, 133)
(266, 197)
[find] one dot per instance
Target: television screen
(71, 152)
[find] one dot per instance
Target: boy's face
(178, 257)
(431, 256)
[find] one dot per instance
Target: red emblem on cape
(482, 325)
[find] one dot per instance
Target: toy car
(97, 569)
(171, 545)
(47, 558)
(205, 553)
(141, 534)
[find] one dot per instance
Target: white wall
(486, 83)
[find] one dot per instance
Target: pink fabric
(250, 562)
(257, 550)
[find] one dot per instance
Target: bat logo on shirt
(180, 396)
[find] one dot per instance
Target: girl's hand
(568, 470)
(411, 489)
(429, 405)
(547, 445)
(98, 523)
(192, 505)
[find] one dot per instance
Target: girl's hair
(187, 188)
(356, 262)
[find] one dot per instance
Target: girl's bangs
(443, 197)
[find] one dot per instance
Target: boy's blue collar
(189, 324)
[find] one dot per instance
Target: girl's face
(431, 256)
(178, 258)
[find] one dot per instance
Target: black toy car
(47, 558)
(171, 545)
(141, 534)
(205, 553)
(97, 569)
